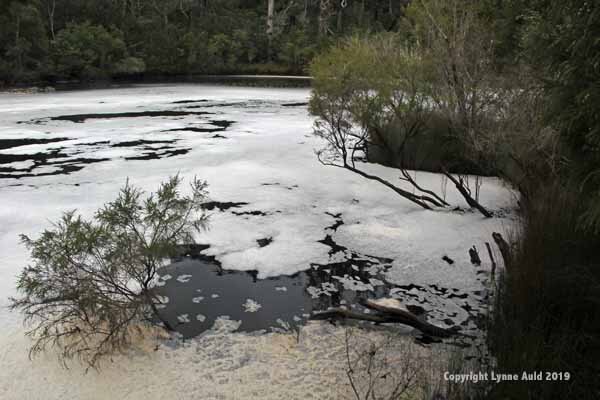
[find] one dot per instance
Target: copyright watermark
(496, 377)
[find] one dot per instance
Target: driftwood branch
(385, 315)
(407, 318)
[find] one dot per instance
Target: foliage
(91, 281)
(130, 66)
(22, 38)
(547, 316)
(377, 94)
(361, 87)
(88, 50)
(224, 52)
(518, 83)
(296, 51)
(455, 39)
(175, 36)
(378, 81)
(560, 42)
(195, 51)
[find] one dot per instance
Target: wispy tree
(91, 281)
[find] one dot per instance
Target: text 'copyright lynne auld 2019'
(498, 377)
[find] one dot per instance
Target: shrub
(130, 65)
(91, 281)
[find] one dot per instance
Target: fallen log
(407, 318)
(385, 315)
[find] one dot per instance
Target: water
(199, 291)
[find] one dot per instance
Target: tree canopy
(66, 39)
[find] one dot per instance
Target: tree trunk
(420, 200)
(17, 45)
(467, 196)
(270, 27)
(51, 9)
(362, 13)
(323, 17)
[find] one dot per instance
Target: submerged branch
(464, 191)
(420, 200)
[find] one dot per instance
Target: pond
(287, 236)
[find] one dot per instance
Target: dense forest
(68, 39)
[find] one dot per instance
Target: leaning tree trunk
(467, 196)
(420, 200)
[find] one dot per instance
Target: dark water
(285, 302)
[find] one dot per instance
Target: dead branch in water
(489, 249)
(407, 318)
(474, 254)
(466, 193)
(385, 315)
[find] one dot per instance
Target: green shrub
(130, 65)
(91, 281)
